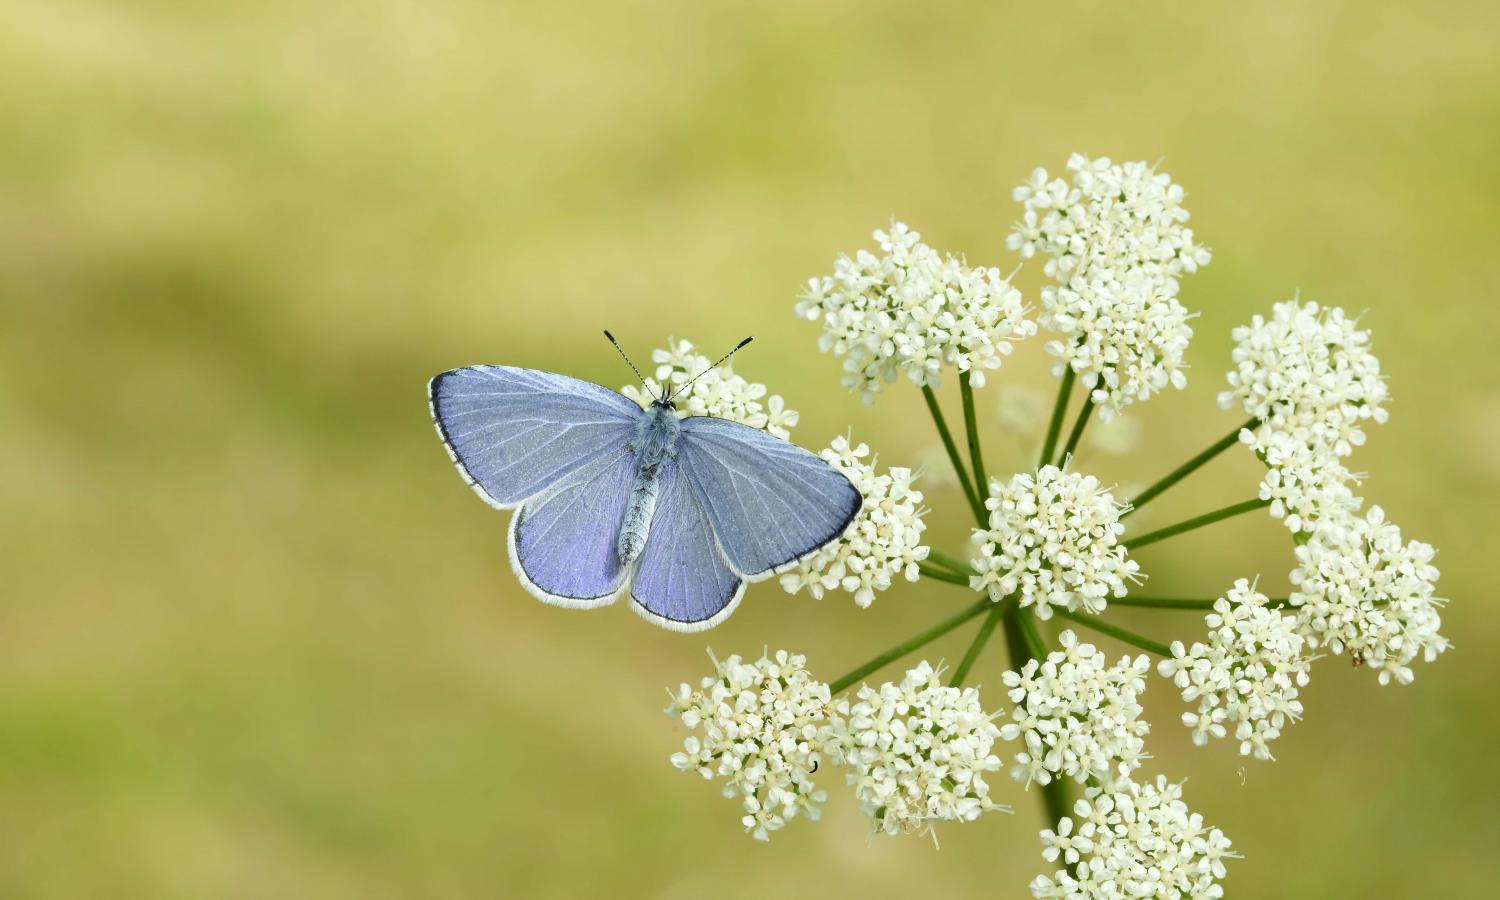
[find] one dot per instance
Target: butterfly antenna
(737, 348)
(620, 350)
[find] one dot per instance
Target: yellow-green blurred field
(256, 638)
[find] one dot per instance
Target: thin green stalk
(1163, 602)
(1064, 391)
(1182, 603)
(912, 643)
(1035, 645)
(953, 455)
(976, 647)
(971, 428)
(1208, 518)
(1083, 420)
(1116, 632)
(1190, 466)
(1056, 802)
(938, 573)
(951, 562)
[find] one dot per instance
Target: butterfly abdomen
(655, 446)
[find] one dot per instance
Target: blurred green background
(257, 639)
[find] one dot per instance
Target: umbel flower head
(909, 311)
(759, 727)
(719, 392)
(1136, 840)
(1111, 217)
(1054, 538)
(1306, 372)
(1359, 589)
(1306, 485)
(1117, 242)
(1077, 715)
(884, 540)
(918, 752)
(1248, 673)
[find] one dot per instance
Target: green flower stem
(1035, 645)
(952, 448)
(1183, 603)
(971, 427)
(971, 656)
(951, 562)
(938, 573)
(1064, 391)
(1056, 802)
(1116, 632)
(1190, 466)
(912, 643)
(1208, 518)
(1083, 420)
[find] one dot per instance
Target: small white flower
(1358, 589)
(1077, 715)
(760, 726)
(1249, 672)
(911, 311)
(1054, 538)
(1136, 840)
(719, 392)
(1117, 243)
(1307, 372)
(918, 751)
(884, 540)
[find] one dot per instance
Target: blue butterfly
(610, 498)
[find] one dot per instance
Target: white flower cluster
(1308, 372)
(883, 541)
(918, 751)
(719, 392)
(910, 311)
(1077, 715)
(760, 727)
(1249, 672)
(1357, 588)
(1308, 375)
(1305, 485)
(1054, 537)
(1117, 243)
(1139, 840)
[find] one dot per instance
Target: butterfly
(611, 498)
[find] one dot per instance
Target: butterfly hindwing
(683, 582)
(514, 433)
(769, 502)
(563, 543)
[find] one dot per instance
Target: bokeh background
(257, 639)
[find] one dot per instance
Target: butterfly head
(665, 403)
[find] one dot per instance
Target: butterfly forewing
(769, 502)
(516, 432)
